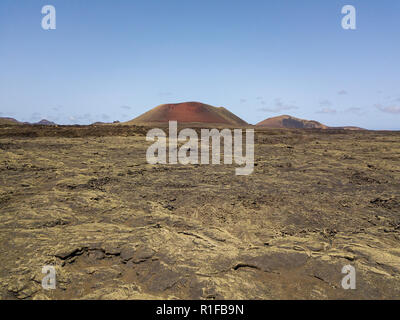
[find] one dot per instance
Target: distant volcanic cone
(188, 112)
(286, 121)
(7, 120)
(45, 122)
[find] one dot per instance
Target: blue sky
(113, 60)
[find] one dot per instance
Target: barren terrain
(84, 200)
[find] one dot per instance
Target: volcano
(45, 122)
(189, 112)
(289, 122)
(7, 120)
(286, 121)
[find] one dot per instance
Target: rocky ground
(84, 200)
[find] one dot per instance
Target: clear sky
(115, 59)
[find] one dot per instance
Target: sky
(115, 59)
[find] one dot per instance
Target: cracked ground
(84, 200)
